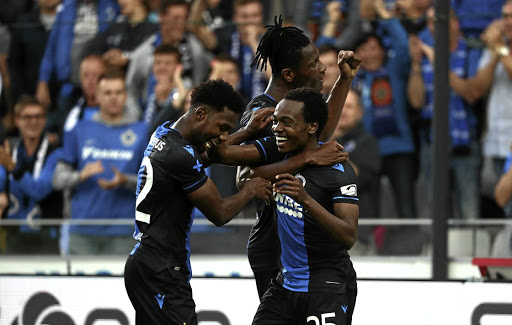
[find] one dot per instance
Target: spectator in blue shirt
(77, 22)
(465, 154)
(99, 163)
(26, 175)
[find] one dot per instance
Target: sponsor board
(103, 300)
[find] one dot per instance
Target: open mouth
(280, 139)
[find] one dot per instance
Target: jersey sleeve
(267, 148)
(69, 153)
(186, 168)
(343, 188)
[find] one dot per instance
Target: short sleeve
(268, 150)
(186, 168)
(344, 188)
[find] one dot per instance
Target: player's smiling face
(289, 127)
(216, 126)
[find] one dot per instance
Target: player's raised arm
(348, 64)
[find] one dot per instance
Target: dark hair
(165, 4)
(314, 109)
(24, 101)
(328, 48)
(217, 94)
(167, 49)
(238, 3)
(111, 74)
(282, 46)
(365, 37)
(225, 57)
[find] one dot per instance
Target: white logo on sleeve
(349, 190)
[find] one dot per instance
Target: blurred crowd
(84, 83)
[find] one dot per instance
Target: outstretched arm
(221, 210)
(348, 64)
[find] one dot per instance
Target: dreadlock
(281, 46)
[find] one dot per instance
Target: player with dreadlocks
(295, 63)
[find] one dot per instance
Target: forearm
(416, 87)
(291, 165)
(506, 60)
(503, 190)
(228, 207)
(235, 155)
(461, 87)
(343, 231)
(482, 81)
(335, 103)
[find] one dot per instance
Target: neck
(110, 118)
(30, 145)
(310, 145)
(49, 11)
(277, 88)
(182, 126)
(91, 100)
(139, 15)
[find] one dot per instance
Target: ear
(200, 113)
(313, 127)
(288, 75)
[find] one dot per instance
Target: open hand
(328, 154)
(259, 120)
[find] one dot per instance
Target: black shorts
(281, 306)
(263, 279)
(159, 298)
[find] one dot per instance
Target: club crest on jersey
(302, 179)
(349, 190)
(128, 137)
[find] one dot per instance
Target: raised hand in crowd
(5, 157)
(115, 58)
(43, 94)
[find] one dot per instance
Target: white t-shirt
(498, 134)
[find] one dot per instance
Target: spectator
(166, 90)
(502, 246)
(365, 159)
(92, 68)
(240, 41)
(343, 26)
(26, 176)
(117, 42)
(225, 67)
(100, 161)
(28, 42)
(382, 82)
(494, 79)
(194, 60)
(503, 190)
(465, 154)
(77, 22)
(412, 14)
(329, 57)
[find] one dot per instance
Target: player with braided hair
(295, 63)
